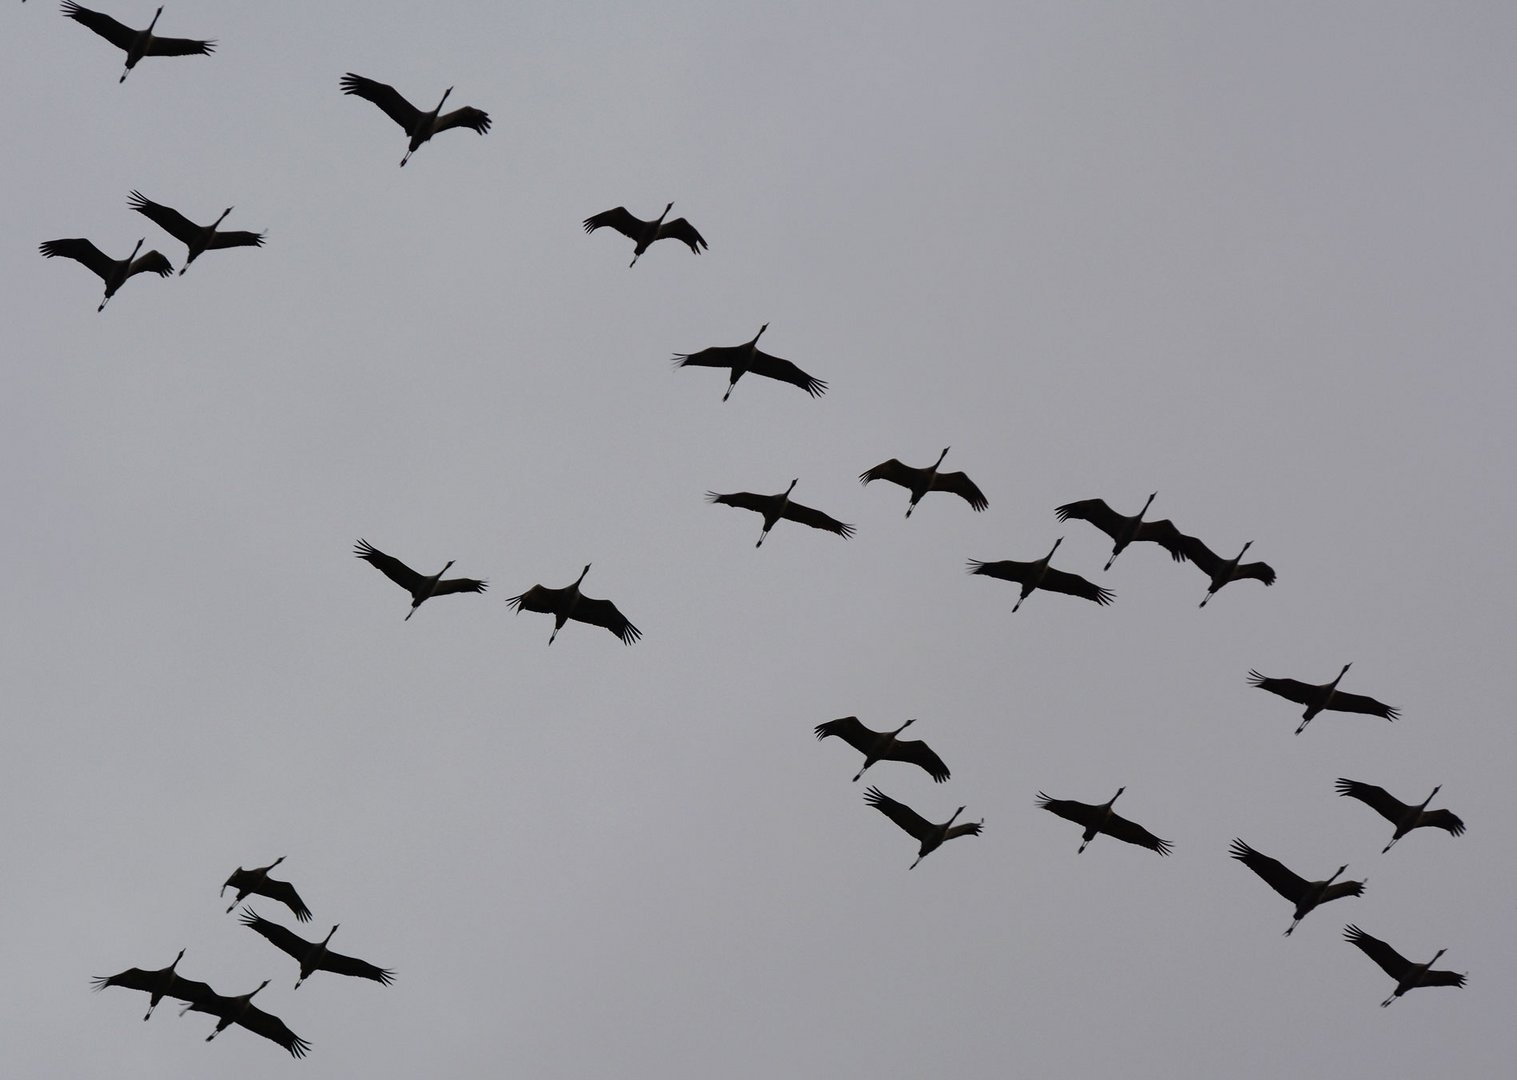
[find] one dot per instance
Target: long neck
(581, 578)
(753, 345)
(1334, 878)
(222, 218)
(154, 23)
(445, 94)
(1428, 799)
(1146, 505)
(661, 217)
(130, 258)
(949, 823)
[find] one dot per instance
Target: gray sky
(1258, 258)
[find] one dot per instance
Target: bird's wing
(389, 565)
(918, 753)
(1078, 812)
(903, 815)
(359, 969)
(1290, 689)
(166, 218)
(235, 238)
(107, 27)
(1289, 885)
(1440, 977)
(1339, 889)
(1189, 547)
(717, 356)
(386, 97)
(130, 979)
(235, 881)
(851, 731)
(152, 262)
(785, 371)
(459, 584)
(1444, 819)
(964, 828)
(891, 470)
(604, 613)
(960, 484)
(271, 1027)
(1164, 533)
(1391, 962)
(282, 939)
(1376, 798)
(1005, 569)
(469, 117)
(1096, 512)
(1359, 703)
(285, 893)
(1130, 831)
(539, 598)
(178, 46)
(80, 250)
(816, 519)
(1075, 585)
(618, 219)
(1257, 570)
(685, 233)
(743, 500)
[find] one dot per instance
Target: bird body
(644, 233)
(419, 126)
(158, 984)
(884, 746)
(920, 481)
(1221, 570)
(114, 272)
(569, 603)
(197, 238)
(420, 586)
(135, 43)
(1400, 814)
(258, 881)
(774, 507)
(1103, 819)
(241, 1011)
(1408, 975)
(314, 956)
(1039, 575)
(929, 835)
(749, 357)
(1122, 529)
(1306, 895)
(1326, 696)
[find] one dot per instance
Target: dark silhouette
(920, 481)
(569, 603)
(1102, 819)
(749, 357)
(884, 746)
(645, 233)
(114, 272)
(774, 507)
(136, 43)
(258, 881)
(1220, 570)
(1039, 575)
(314, 955)
(160, 984)
(1404, 817)
(930, 835)
(1408, 975)
(1125, 530)
(419, 126)
(1304, 894)
(197, 238)
(419, 586)
(240, 1010)
(1326, 696)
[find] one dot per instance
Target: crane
(774, 507)
(1039, 575)
(929, 834)
(1408, 975)
(240, 1010)
(1221, 570)
(258, 881)
(749, 357)
(1122, 529)
(1102, 819)
(419, 586)
(644, 233)
(1326, 696)
(159, 984)
(114, 272)
(569, 603)
(920, 481)
(314, 955)
(1404, 817)
(419, 126)
(1304, 894)
(884, 746)
(136, 43)
(197, 238)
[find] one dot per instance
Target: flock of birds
(569, 602)
(312, 956)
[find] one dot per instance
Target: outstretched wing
(1257, 570)
(1005, 569)
(81, 251)
(722, 356)
(1440, 977)
(178, 46)
(618, 219)
(359, 969)
(960, 484)
(1444, 819)
(903, 815)
(459, 584)
(604, 613)
(1069, 809)
(1359, 703)
(891, 470)
(1075, 585)
(285, 893)
(468, 116)
(918, 753)
(1164, 533)
(1096, 512)
(816, 519)
(385, 96)
(783, 370)
(166, 218)
(152, 262)
(1133, 833)
(1189, 547)
(1273, 871)
(107, 27)
(685, 233)
(235, 238)
(851, 731)
(282, 939)
(271, 1027)
(1376, 798)
(743, 500)
(1391, 962)
(539, 598)
(1290, 689)
(390, 566)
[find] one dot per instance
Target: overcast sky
(1256, 258)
